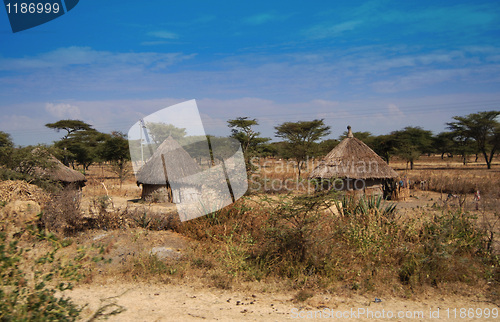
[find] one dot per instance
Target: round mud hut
(355, 168)
(165, 177)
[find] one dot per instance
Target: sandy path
(146, 302)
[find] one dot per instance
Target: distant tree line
(475, 134)
(81, 145)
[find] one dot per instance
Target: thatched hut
(169, 166)
(352, 166)
(58, 172)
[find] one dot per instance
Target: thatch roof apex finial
(349, 132)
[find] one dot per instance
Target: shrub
(27, 298)
(363, 246)
(450, 248)
(63, 213)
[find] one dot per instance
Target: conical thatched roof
(153, 172)
(353, 159)
(57, 171)
(62, 173)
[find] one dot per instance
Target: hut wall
(190, 194)
(155, 192)
(374, 187)
(360, 186)
(77, 185)
(159, 193)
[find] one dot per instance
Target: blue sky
(376, 65)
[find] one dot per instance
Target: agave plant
(352, 207)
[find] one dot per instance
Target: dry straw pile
(11, 190)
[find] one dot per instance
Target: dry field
(138, 262)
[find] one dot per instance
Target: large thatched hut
(169, 166)
(352, 166)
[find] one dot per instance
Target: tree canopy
(70, 126)
(161, 131)
(115, 149)
(243, 131)
(80, 144)
(411, 142)
(301, 137)
(483, 128)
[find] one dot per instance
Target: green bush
(26, 298)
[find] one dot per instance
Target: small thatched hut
(353, 166)
(169, 166)
(57, 171)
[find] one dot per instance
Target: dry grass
(300, 245)
(295, 242)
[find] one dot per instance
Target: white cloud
(163, 34)
(63, 111)
(377, 115)
(326, 30)
(85, 56)
(263, 18)
(394, 111)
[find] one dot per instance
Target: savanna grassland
(271, 251)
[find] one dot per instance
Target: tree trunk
(491, 157)
(488, 161)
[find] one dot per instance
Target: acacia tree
(366, 137)
(384, 146)
(73, 129)
(242, 130)
(115, 149)
(161, 131)
(443, 144)
(80, 144)
(301, 137)
(483, 128)
(411, 142)
(70, 126)
(84, 146)
(6, 146)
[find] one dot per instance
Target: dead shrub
(222, 281)
(363, 247)
(303, 295)
(63, 214)
(152, 220)
(450, 248)
(108, 220)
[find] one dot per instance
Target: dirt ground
(189, 300)
(147, 302)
